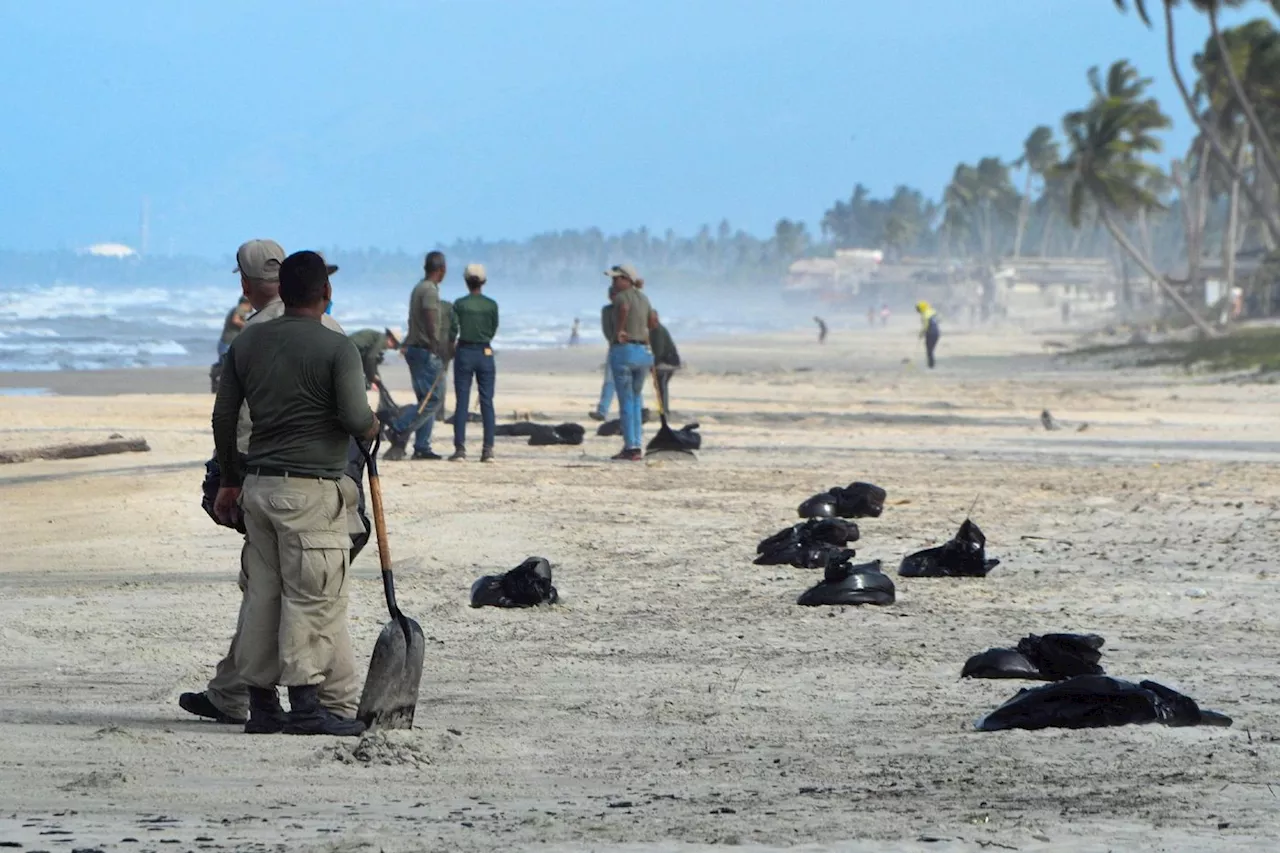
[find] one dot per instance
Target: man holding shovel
(226, 699)
(305, 386)
(426, 351)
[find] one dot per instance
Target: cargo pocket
(324, 556)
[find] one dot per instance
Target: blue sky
(408, 124)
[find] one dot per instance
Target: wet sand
(677, 697)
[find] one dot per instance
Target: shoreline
(844, 351)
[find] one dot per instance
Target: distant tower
(144, 226)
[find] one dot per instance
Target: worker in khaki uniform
(226, 698)
(305, 386)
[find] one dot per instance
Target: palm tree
(978, 199)
(1205, 123)
(1039, 154)
(1107, 142)
(790, 240)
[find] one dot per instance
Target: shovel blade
(395, 673)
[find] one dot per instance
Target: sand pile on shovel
(384, 748)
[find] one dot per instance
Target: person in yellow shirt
(928, 329)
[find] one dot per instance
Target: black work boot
(266, 717)
(200, 705)
(308, 717)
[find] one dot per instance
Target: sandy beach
(676, 697)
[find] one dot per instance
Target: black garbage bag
(613, 428)
(1052, 657)
(209, 492)
(814, 531)
(546, 436)
(354, 470)
(964, 556)
(683, 440)
(1095, 701)
(856, 500)
(800, 556)
(859, 500)
(819, 506)
(519, 429)
(527, 585)
(843, 583)
(472, 418)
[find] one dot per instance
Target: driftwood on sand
(76, 451)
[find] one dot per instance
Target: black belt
(472, 344)
(279, 472)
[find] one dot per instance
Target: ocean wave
(69, 327)
(97, 348)
(62, 302)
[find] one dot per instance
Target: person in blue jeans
(476, 322)
(426, 349)
(610, 330)
(629, 357)
(607, 392)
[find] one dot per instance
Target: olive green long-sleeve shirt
(371, 344)
(305, 390)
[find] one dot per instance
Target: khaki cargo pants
(228, 691)
(293, 625)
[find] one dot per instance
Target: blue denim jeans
(606, 392)
(473, 360)
(630, 364)
(424, 369)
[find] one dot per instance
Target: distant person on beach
(822, 330)
(575, 334)
(372, 346)
(304, 384)
(871, 316)
(233, 324)
(629, 356)
(610, 331)
(427, 351)
(226, 698)
(884, 313)
(476, 324)
(928, 329)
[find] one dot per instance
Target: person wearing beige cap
(226, 698)
(629, 357)
(476, 322)
(305, 387)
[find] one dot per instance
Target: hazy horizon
(406, 125)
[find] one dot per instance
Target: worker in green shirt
(302, 385)
(372, 346)
(476, 322)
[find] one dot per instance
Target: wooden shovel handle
(380, 526)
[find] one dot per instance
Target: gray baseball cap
(259, 259)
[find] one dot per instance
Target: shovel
(395, 670)
(665, 441)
